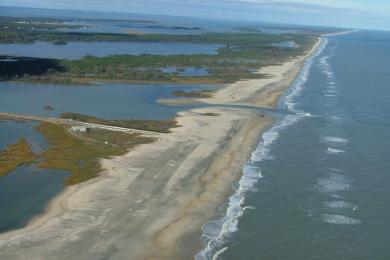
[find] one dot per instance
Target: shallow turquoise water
(317, 186)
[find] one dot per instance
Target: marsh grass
(160, 126)
(80, 154)
(194, 94)
(15, 155)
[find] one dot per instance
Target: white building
(83, 129)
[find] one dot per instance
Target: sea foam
(298, 84)
(334, 183)
(335, 140)
(216, 233)
(339, 204)
(334, 151)
(340, 220)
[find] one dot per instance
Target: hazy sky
(344, 13)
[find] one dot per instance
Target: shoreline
(180, 180)
(256, 92)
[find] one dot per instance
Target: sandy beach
(151, 202)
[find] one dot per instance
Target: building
(82, 129)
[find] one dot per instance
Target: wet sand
(151, 202)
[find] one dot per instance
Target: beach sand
(151, 202)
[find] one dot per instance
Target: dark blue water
(318, 185)
(77, 50)
(112, 101)
(26, 191)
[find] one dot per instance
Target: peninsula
(151, 202)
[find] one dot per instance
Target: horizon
(333, 14)
(126, 15)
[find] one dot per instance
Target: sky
(371, 14)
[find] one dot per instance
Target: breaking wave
(334, 151)
(217, 233)
(339, 204)
(335, 140)
(340, 220)
(334, 183)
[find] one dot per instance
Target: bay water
(26, 191)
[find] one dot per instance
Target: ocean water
(105, 100)
(318, 184)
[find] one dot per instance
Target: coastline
(151, 202)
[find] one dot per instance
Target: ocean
(318, 184)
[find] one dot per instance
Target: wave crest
(217, 232)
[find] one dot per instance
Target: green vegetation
(240, 57)
(77, 153)
(161, 126)
(12, 25)
(80, 154)
(15, 155)
(241, 54)
(22, 29)
(195, 94)
(28, 30)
